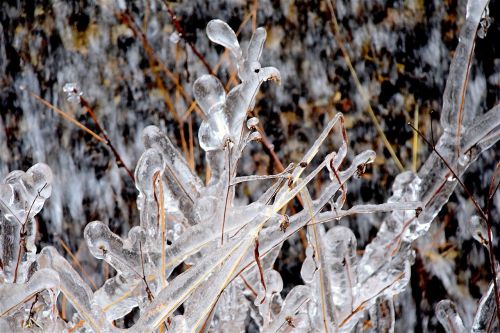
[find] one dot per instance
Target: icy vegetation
(201, 260)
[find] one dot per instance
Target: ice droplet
(255, 136)
(252, 123)
(174, 38)
(463, 160)
(308, 266)
(73, 92)
(221, 33)
(479, 230)
(484, 23)
(208, 91)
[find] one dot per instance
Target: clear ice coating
(446, 312)
(225, 250)
(73, 92)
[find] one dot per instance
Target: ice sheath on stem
(224, 252)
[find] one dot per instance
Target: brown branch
(119, 160)
(486, 216)
(23, 234)
(64, 115)
(448, 166)
(259, 265)
(148, 290)
(359, 87)
(182, 34)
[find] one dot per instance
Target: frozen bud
(174, 38)
(73, 92)
(252, 123)
(98, 237)
(479, 230)
(255, 136)
(484, 23)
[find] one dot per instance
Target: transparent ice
(229, 247)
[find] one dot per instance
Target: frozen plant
(230, 249)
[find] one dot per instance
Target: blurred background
(135, 63)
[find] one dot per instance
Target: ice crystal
(231, 247)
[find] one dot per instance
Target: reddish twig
(23, 233)
(261, 271)
(484, 215)
(182, 34)
(119, 160)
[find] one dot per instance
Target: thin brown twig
(30, 319)
(148, 290)
(448, 166)
(462, 97)
(259, 266)
(228, 190)
(359, 87)
(182, 34)
(484, 215)
(254, 14)
(249, 287)
(119, 161)
(23, 233)
(77, 263)
(65, 116)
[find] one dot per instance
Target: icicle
(221, 33)
(446, 312)
(296, 299)
(485, 318)
(149, 170)
(340, 264)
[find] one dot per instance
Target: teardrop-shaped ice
(252, 123)
(479, 230)
(149, 164)
(256, 45)
(308, 266)
(340, 266)
(221, 33)
(214, 132)
(208, 91)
